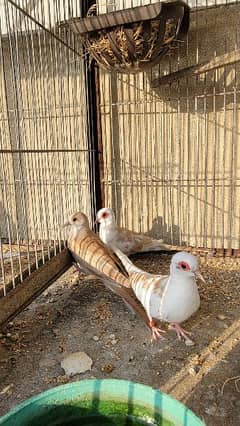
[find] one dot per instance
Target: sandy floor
(68, 316)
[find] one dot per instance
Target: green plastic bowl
(101, 402)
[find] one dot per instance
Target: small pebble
(8, 389)
(76, 363)
(95, 338)
(221, 317)
(114, 342)
(108, 368)
(112, 336)
(211, 411)
(192, 371)
(189, 342)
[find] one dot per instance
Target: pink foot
(156, 331)
(182, 334)
(78, 269)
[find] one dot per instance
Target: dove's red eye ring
(184, 265)
(105, 215)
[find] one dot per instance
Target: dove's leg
(156, 331)
(77, 266)
(181, 333)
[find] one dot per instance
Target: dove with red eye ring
(169, 298)
(127, 241)
(92, 256)
(183, 265)
(173, 298)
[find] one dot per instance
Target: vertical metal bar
(36, 140)
(57, 112)
(21, 124)
(196, 174)
(5, 137)
(94, 172)
(61, 60)
(179, 175)
(233, 157)
(31, 93)
(137, 152)
(16, 110)
(214, 148)
(26, 118)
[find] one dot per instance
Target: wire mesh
(44, 152)
(171, 153)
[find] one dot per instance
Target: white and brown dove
(170, 298)
(129, 242)
(94, 257)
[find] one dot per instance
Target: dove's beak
(66, 224)
(199, 275)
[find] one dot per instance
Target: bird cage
(157, 141)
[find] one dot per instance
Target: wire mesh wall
(44, 150)
(171, 154)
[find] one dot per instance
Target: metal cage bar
(175, 148)
(47, 154)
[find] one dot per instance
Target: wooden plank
(20, 297)
(215, 63)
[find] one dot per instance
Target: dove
(94, 257)
(170, 298)
(128, 242)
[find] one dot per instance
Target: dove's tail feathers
(132, 303)
(128, 298)
(130, 267)
(157, 245)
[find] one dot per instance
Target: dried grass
(148, 40)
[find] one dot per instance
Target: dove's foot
(182, 334)
(156, 331)
(78, 269)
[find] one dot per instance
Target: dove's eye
(104, 215)
(74, 219)
(184, 265)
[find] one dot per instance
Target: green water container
(101, 402)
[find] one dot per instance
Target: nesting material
(147, 48)
(133, 39)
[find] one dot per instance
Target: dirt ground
(81, 315)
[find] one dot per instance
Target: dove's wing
(149, 290)
(130, 242)
(89, 248)
(126, 241)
